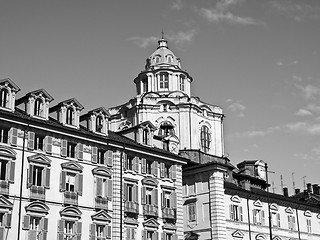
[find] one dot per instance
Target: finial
(162, 33)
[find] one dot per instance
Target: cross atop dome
(162, 42)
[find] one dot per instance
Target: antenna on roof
(304, 182)
(273, 187)
(162, 33)
(281, 179)
(293, 183)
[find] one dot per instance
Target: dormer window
(99, 124)
(169, 59)
(164, 81)
(157, 59)
(145, 136)
(38, 109)
(70, 116)
(4, 97)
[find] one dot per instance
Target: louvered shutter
(48, 144)
(109, 189)
(144, 234)
(124, 161)
(162, 166)
(155, 235)
(32, 234)
(78, 226)
(61, 224)
(7, 220)
(173, 170)
(136, 164)
(143, 165)
(262, 218)
(155, 196)
(64, 145)
(155, 168)
(11, 172)
(241, 214)
(163, 236)
(92, 231)
(63, 176)
(44, 224)
(26, 222)
(125, 192)
(231, 213)
(31, 136)
(135, 194)
(143, 195)
(2, 232)
(99, 183)
(79, 184)
(80, 151)
(30, 176)
(173, 200)
(254, 216)
(107, 231)
(14, 137)
(44, 235)
(109, 158)
(278, 219)
(94, 153)
(46, 177)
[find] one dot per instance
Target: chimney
(309, 188)
(316, 189)
(285, 192)
(297, 190)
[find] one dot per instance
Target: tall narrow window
(181, 82)
(164, 80)
(205, 138)
(192, 212)
(145, 136)
(145, 85)
(70, 116)
(38, 107)
(4, 134)
(99, 124)
(3, 97)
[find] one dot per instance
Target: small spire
(162, 42)
(162, 33)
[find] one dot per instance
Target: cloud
(221, 13)
(297, 11)
(304, 128)
(236, 107)
(179, 37)
(255, 133)
(177, 5)
(298, 79)
(308, 91)
(280, 63)
(303, 112)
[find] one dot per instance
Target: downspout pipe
(121, 190)
(249, 223)
(298, 223)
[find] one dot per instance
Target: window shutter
(231, 212)
(46, 178)
(162, 166)
(7, 220)
(44, 224)
(109, 188)
(78, 229)
(155, 235)
(155, 168)
(99, 187)
(175, 236)
(163, 236)
(143, 165)
(136, 164)
(173, 170)
(12, 171)
(44, 235)
(79, 184)
(125, 191)
(254, 216)
(31, 140)
(63, 176)
(2, 233)
(92, 231)
(278, 219)
(173, 200)
(30, 176)
(107, 230)
(108, 158)
(155, 196)
(262, 218)
(80, 151)
(143, 195)
(94, 154)
(48, 144)
(32, 234)
(135, 192)
(64, 144)
(26, 222)
(144, 234)
(14, 137)
(124, 161)
(240, 213)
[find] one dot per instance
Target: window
(309, 225)
(38, 105)
(157, 58)
(149, 235)
(71, 150)
(166, 129)
(169, 236)
(258, 217)
(71, 182)
(130, 197)
(99, 124)
(205, 139)
(169, 199)
(145, 136)
(102, 156)
(69, 229)
(167, 171)
(149, 196)
(99, 231)
(149, 167)
(7, 170)
(191, 212)
(4, 134)
(181, 82)
(130, 233)
(103, 187)
(70, 116)
(291, 222)
(4, 98)
(275, 219)
(236, 213)
(164, 81)
(145, 85)
(37, 227)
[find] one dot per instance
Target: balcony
(131, 207)
(150, 210)
(37, 192)
(4, 187)
(101, 203)
(169, 213)
(70, 198)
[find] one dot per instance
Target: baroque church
(152, 168)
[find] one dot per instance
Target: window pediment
(40, 158)
(260, 237)
(257, 203)
(7, 153)
(289, 210)
(235, 198)
(7, 82)
(41, 93)
(70, 211)
(5, 203)
(150, 181)
(276, 238)
(37, 207)
(238, 234)
(151, 222)
(307, 213)
(101, 216)
(102, 171)
(72, 166)
(274, 207)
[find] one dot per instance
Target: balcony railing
(37, 192)
(4, 187)
(101, 203)
(169, 213)
(131, 207)
(150, 210)
(70, 198)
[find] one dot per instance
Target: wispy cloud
(236, 107)
(280, 63)
(178, 38)
(304, 128)
(308, 91)
(297, 11)
(303, 112)
(255, 133)
(221, 13)
(177, 5)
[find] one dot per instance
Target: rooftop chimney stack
(309, 187)
(297, 190)
(316, 189)
(285, 192)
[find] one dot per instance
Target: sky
(257, 59)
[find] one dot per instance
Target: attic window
(70, 116)
(38, 107)
(99, 124)
(4, 97)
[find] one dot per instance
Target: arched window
(157, 58)
(205, 139)
(145, 85)
(169, 59)
(70, 116)
(38, 107)
(164, 80)
(99, 124)
(181, 83)
(166, 129)
(4, 97)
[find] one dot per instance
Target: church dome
(162, 57)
